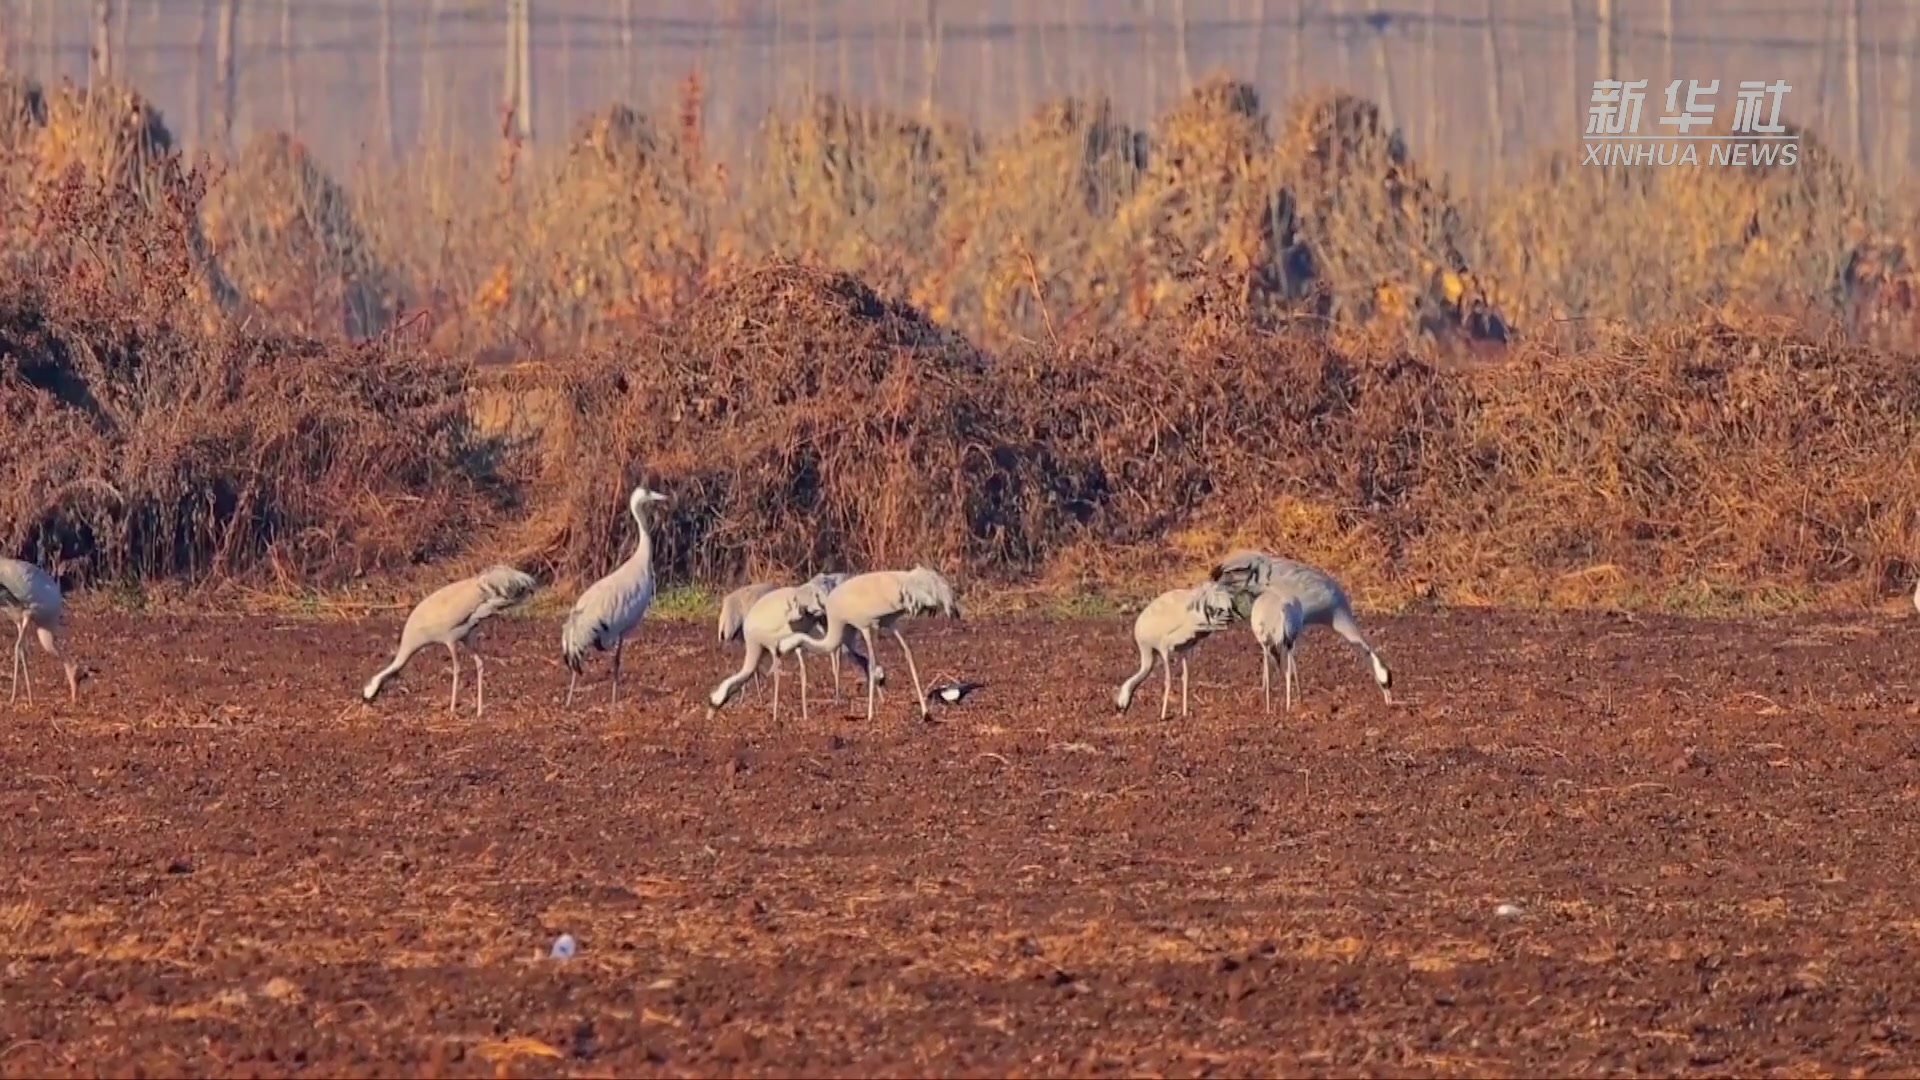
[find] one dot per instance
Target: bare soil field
(222, 863)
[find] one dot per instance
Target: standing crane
(30, 597)
(1288, 597)
(1170, 627)
(611, 607)
(449, 616)
(878, 600)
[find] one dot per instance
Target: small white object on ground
(1507, 911)
(563, 947)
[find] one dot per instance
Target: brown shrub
(1019, 234)
(109, 131)
(1196, 223)
(99, 174)
(1679, 242)
(617, 235)
(1358, 225)
(854, 188)
(23, 113)
(797, 418)
(287, 237)
(144, 446)
(803, 422)
(1737, 459)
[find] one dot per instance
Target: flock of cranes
(831, 613)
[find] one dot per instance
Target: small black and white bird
(951, 692)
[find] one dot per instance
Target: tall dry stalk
(389, 126)
(1906, 104)
(1856, 126)
(1383, 73)
(1605, 55)
(1491, 72)
(289, 68)
(1666, 39)
(1181, 49)
(101, 71)
(929, 57)
(226, 64)
(1577, 91)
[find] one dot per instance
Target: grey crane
(30, 597)
(1288, 598)
(807, 614)
(611, 607)
(449, 616)
(778, 613)
(734, 607)
(1170, 627)
(879, 600)
(733, 612)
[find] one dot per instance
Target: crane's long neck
(400, 658)
(643, 551)
(830, 638)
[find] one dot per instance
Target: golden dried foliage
(109, 131)
(145, 445)
(619, 232)
(287, 236)
(1202, 336)
(1676, 241)
(1019, 237)
(853, 188)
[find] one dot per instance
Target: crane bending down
(1170, 627)
(733, 612)
(1288, 598)
(30, 597)
(449, 616)
(611, 607)
(879, 600)
(807, 614)
(778, 613)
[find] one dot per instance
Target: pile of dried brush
(1702, 455)
(81, 170)
(1019, 233)
(1361, 228)
(799, 420)
(1666, 244)
(854, 188)
(1196, 224)
(287, 237)
(619, 234)
(141, 446)
(109, 131)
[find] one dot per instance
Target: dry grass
(1131, 348)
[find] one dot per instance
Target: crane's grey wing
(1215, 607)
(735, 607)
(732, 617)
(501, 588)
(1243, 571)
(579, 634)
(924, 592)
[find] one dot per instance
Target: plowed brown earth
(221, 862)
